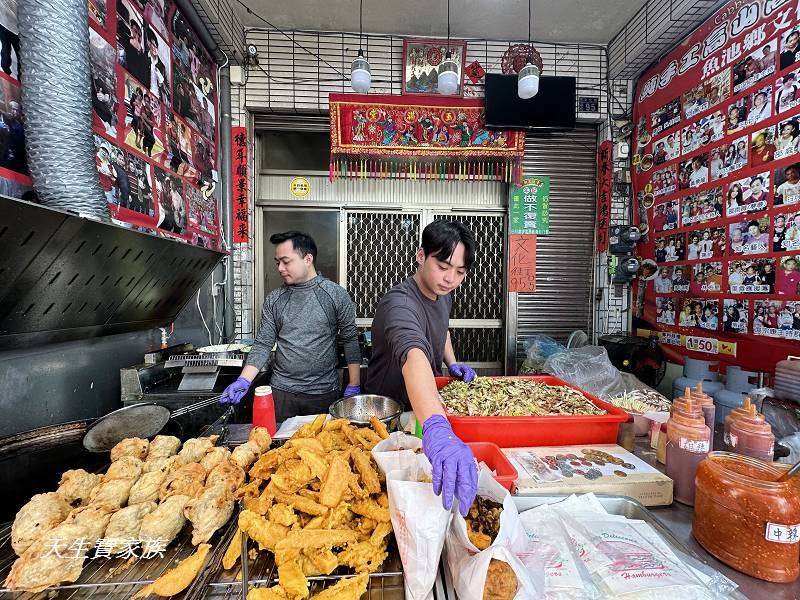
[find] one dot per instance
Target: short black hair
(440, 238)
(301, 242)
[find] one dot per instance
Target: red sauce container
(706, 403)
(746, 519)
(688, 444)
(751, 435)
(264, 409)
(733, 415)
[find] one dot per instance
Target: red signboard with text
(716, 176)
(239, 161)
(522, 263)
(605, 171)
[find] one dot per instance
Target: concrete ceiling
(580, 21)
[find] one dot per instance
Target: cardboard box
(599, 468)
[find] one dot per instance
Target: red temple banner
(420, 138)
(239, 160)
(605, 171)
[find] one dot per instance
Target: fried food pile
(151, 490)
(317, 503)
(483, 522)
(501, 581)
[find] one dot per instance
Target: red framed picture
(421, 61)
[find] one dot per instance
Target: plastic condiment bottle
(751, 435)
(688, 443)
(706, 403)
(732, 416)
(264, 409)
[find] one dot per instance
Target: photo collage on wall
(716, 178)
(155, 107)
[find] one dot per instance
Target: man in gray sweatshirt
(302, 319)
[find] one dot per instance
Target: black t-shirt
(788, 58)
(405, 319)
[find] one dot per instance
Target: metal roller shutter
(564, 259)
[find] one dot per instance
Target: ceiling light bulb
(528, 81)
(360, 74)
(447, 82)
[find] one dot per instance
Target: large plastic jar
(746, 519)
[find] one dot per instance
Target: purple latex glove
(352, 390)
(462, 371)
(234, 393)
(454, 468)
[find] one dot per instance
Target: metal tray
(615, 505)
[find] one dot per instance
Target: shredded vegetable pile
(491, 397)
(640, 401)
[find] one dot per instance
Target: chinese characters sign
(239, 161)
(716, 178)
(522, 263)
(529, 206)
(605, 170)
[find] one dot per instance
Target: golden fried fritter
(363, 464)
(75, 486)
(261, 436)
(209, 511)
(245, 455)
(163, 446)
(335, 482)
(215, 456)
(265, 533)
(42, 513)
(125, 467)
(292, 580)
(349, 588)
(136, 447)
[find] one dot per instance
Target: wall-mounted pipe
(56, 98)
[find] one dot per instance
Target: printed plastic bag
(399, 451)
(469, 566)
(588, 368)
(420, 524)
(538, 348)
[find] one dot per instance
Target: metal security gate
(562, 302)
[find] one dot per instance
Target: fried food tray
(615, 505)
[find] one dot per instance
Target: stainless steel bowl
(358, 409)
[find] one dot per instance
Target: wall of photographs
(155, 109)
(717, 181)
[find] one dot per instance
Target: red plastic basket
(553, 430)
(496, 461)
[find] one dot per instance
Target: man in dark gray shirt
(410, 339)
(303, 319)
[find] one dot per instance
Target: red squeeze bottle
(264, 409)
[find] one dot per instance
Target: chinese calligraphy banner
(605, 171)
(521, 263)
(420, 138)
(239, 161)
(529, 206)
(717, 185)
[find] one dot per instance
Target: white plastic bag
(398, 451)
(420, 524)
(468, 566)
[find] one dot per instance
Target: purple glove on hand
(454, 469)
(352, 390)
(462, 371)
(234, 393)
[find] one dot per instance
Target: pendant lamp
(447, 81)
(528, 76)
(360, 72)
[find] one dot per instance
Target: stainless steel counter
(678, 519)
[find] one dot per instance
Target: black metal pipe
(226, 187)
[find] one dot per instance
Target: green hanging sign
(529, 206)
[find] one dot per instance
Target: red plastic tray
(496, 461)
(554, 430)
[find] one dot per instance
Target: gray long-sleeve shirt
(305, 320)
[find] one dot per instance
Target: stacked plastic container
(688, 444)
(749, 434)
(706, 404)
(787, 379)
(694, 372)
(737, 386)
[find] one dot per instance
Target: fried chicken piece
(93, 518)
(333, 441)
(146, 489)
(265, 533)
(234, 550)
(367, 437)
(312, 444)
(227, 474)
(178, 578)
(245, 455)
(208, 512)
(479, 539)
(125, 524)
(355, 487)
(372, 509)
(324, 561)
(363, 556)
(305, 539)
(314, 461)
(292, 580)
(261, 436)
(75, 486)
(195, 449)
(338, 517)
(501, 581)
(114, 493)
(283, 514)
(379, 427)
(166, 521)
(306, 505)
(136, 447)
(42, 513)
(276, 592)
(251, 490)
(268, 462)
(215, 456)
(309, 430)
(350, 588)
(163, 446)
(335, 424)
(125, 467)
(189, 481)
(40, 566)
(291, 476)
(335, 482)
(379, 535)
(363, 464)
